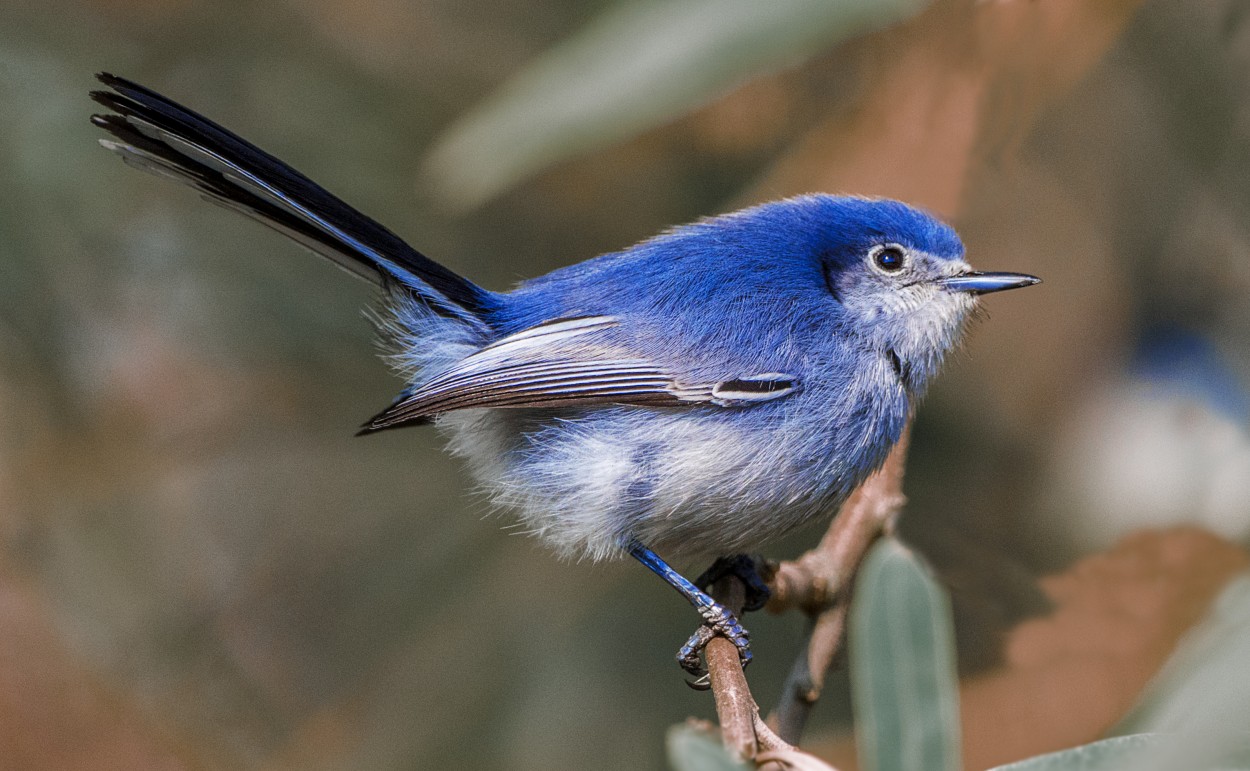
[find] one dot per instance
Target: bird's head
(900, 276)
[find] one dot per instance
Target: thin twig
(735, 707)
(819, 583)
(742, 729)
(790, 760)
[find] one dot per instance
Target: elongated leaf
(1203, 693)
(902, 654)
(1206, 683)
(1195, 714)
(637, 65)
(691, 748)
(1142, 752)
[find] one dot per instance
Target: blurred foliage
(697, 748)
(1200, 690)
(202, 569)
(639, 64)
(902, 663)
(1066, 673)
(1140, 751)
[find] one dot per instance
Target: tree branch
(735, 707)
(742, 729)
(817, 583)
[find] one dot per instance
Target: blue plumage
(695, 394)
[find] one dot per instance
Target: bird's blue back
(751, 287)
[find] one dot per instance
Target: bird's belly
(687, 483)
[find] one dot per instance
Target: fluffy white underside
(681, 481)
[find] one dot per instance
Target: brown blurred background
(200, 567)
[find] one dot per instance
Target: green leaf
(1206, 684)
(1143, 752)
(1106, 755)
(693, 748)
(902, 655)
(639, 64)
(1194, 715)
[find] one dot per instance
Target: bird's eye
(889, 259)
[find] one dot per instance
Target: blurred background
(200, 567)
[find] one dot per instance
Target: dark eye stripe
(831, 283)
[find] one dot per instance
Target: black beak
(977, 282)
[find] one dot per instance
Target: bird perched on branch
(694, 395)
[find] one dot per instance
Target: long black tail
(161, 136)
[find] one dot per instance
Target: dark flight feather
(163, 137)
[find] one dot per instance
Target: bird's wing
(559, 364)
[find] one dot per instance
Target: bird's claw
(717, 621)
(748, 569)
(688, 656)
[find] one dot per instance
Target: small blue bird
(694, 395)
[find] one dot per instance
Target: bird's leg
(717, 619)
(747, 568)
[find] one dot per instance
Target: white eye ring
(889, 259)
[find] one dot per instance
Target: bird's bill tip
(976, 282)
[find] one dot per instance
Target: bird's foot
(717, 621)
(748, 569)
